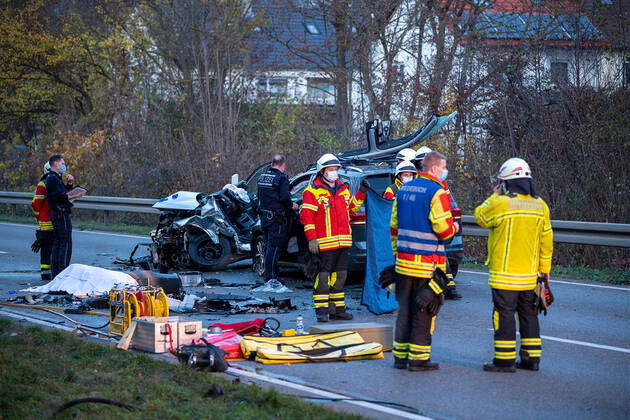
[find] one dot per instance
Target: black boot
(400, 363)
(491, 367)
(528, 363)
(420, 366)
(322, 315)
(451, 293)
(341, 314)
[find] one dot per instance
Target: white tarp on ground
(81, 280)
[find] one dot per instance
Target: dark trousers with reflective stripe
(45, 255)
(328, 287)
(414, 329)
(507, 303)
(62, 242)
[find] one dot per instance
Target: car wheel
(207, 254)
(258, 255)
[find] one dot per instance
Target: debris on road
(273, 286)
(85, 280)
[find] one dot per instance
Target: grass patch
(87, 225)
(612, 276)
(42, 370)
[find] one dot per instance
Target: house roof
(294, 37)
(553, 23)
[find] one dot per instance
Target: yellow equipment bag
(329, 347)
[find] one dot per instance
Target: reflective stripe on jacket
(325, 213)
(41, 207)
(520, 243)
(392, 190)
(421, 222)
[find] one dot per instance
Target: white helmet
(46, 167)
(422, 152)
(327, 160)
(514, 168)
(405, 166)
(406, 154)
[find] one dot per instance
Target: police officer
(421, 221)
(275, 205)
(61, 209)
(520, 245)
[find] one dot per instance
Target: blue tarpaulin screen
(379, 254)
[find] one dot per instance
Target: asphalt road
(585, 370)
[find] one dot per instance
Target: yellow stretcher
(329, 347)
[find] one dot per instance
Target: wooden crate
(152, 333)
(371, 332)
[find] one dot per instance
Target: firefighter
(275, 205)
(451, 288)
(419, 156)
(61, 209)
(405, 172)
(421, 221)
(405, 154)
(326, 207)
(44, 232)
(520, 245)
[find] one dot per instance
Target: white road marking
(81, 231)
(326, 394)
(553, 281)
(3, 252)
(586, 344)
(580, 343)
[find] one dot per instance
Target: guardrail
(565, 231)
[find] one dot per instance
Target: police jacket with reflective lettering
(273, 191)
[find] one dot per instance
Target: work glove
(36, 246)
(365, 185)
(433, 308)
(543, 293)
(434, 288)
(387, 277)
(313, 246)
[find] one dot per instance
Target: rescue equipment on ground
(344, 345)
(132, 302)
(228, 341)
(202, 357)
(371, 332)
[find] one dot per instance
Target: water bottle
(299, 325)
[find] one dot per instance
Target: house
(293, 54)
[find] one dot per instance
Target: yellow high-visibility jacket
(520, 243)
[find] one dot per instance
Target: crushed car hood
(181, 200)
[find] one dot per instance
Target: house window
(320, 91)
(559, 72)
(272, 87)
(626, 74)
(312, 29)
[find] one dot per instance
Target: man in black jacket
(275, 205)
(59, 200)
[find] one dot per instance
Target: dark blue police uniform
(275, 205)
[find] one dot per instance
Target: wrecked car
(207, 231)
(376, 163)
